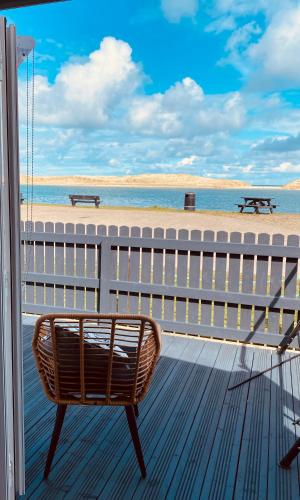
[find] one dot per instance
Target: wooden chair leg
(291, 455)
(130, 413)
(60, 415)
(136, 411)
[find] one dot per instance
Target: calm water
(206, 199)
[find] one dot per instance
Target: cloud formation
(106, 92)
(279, 144)
(276, 56)
(184, 110)
(287, 167)
(85, 93)
(189, 160)
(175, 10)
(242, 8)
(266, 53)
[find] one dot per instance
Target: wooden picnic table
(257, 204)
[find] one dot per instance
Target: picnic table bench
(257, 204)
(82, 198)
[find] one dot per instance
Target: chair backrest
(94, 358)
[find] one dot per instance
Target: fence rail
(223, 285)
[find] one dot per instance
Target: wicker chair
(95, 359)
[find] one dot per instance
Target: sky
(204, 87)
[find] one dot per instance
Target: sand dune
(292, 185)
(143, 180)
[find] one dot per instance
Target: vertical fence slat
(123, 271)
(290, 285)
(114, 269)
(233, 281)
(49, 264)
(91, 268)
(23, 264)
(262, 266)
(59, 265)
(169, 277)
(182, 272)
(220, 280)
(134, 270)
(29, 262)
(101, 230)
(104, 271)
(275, 286)
(70, 267)
(194, 279)
(207, 279)
(158, 269)
(80, 268)
(146, 271)
(247, 283)
(39, 264)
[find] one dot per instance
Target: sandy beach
(216, 221)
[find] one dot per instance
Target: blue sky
(207, 87)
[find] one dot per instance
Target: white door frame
(11, 379)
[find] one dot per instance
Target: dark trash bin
(189, 201)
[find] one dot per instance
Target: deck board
(252, 472)
(195, 458)
(281, 427)
(220, 476)
(199, 440)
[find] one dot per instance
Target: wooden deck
(199, 440)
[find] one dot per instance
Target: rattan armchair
(96, 359)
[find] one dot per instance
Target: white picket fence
(221, 285)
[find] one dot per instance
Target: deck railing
(228, 286)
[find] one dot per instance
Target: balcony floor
(199, 440)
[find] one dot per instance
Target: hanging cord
(32, 134)
(30, 115)
(27, 143)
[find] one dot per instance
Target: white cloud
(270, 115)
(240, 169)
(174, 10)
(40, 57)
(287, 167)
(104, 91)
(223, 23)
(279, 144)
(242, 8)
(85, 93)
(184, 110)
(113, 162)
(268, 58)
(247, 169)
(241, 37)
(263, 42)
(276, 55)
(236, 45)
(56, 44)
(188, 160)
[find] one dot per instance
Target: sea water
(287, 201)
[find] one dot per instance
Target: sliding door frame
(11, 379)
